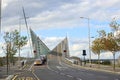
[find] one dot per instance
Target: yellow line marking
(14, 77)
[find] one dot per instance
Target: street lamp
(88, 37)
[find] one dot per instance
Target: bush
(103, 62)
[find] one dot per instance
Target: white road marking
(35, 76)
(50, 68)
(79, 79)
(63, 74)
(69, 76)
(60, 68)
(30, 69)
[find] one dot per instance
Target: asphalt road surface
(58, 70)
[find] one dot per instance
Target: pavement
(105, 67)
(96, 67)
(12, 71)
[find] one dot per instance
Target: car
(38, 62)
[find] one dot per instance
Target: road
(57, 70)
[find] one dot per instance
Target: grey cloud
(61, 13)
(33, 7)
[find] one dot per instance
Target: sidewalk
(12, 70)
(95, 67)
(104, 68)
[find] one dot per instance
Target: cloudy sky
(52, 20)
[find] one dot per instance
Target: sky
(53, 20)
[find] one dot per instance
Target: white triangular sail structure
(62, 48)
(34, 43)
(39, 48)
(65, 48)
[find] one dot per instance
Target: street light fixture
(88, 38)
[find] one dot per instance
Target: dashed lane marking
(69, 76)
(63, 74)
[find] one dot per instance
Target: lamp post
(88, 38)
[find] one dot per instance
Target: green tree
(116, 30)
(114, 25)
(9, 48)
(13, 42)
(20, 41)
(102, 33)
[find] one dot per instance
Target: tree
(109, 43)
(114, 25)
(116, 30)
(20, 41)
(102, 33)
(13, 42)
(96, 48)
(114, 38)
(9, 48)
(112, 46)
(98, 45)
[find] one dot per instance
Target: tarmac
(15, 69)
(96, 67)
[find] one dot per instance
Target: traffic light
(84, 53)
(35, 51)
(65, 51)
